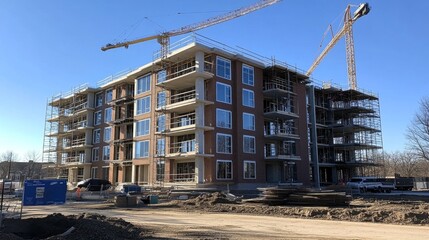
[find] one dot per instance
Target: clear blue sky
(48, 47)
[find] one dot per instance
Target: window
(223, 169)
(142, 149)
(249, 144)
(223, 143)
(160, 100)
(96, 136)
(223, 118)
(223, 68)
(143, 105)
(249, 121)
(107, 134)
(97, 118)
(109, 95)
(223, 93)
(249, 169)
(105, 173)
(95, 154)
(107, 115)
(161, 76)
(160, 123)
(106, 153)
(160, 147)
(143, 127)
(248, 75)
(94, 172)
(143, 84)
(98, 99)
(248, 98)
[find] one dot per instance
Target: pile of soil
(360, 210)
(84, 226)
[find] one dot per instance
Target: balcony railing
(182, 147)
(74, 159)
(274, 152)
(183, 120)
(280, 108)
(277, 86)
(274, 130)
(180, 97)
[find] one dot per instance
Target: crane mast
(346, 30)
(164, 38)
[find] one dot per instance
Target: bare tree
(5, 165)
(418, 131)
(33, 169)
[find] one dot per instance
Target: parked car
(369, 184)
(93, 184)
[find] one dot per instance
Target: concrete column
(199, 61)
(133, 173)
(313, 136)
(199, 170)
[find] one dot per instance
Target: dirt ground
(98, 222)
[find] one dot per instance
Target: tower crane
(164, 38)
(362, 10)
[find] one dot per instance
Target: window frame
(146, 153)
(254, 144)
(110, 115)
(97, 120)
(252, 103)
(95, 156)
(98, 96)
(254, 121)
(248, 78)
(105, 134)
(146, 108)
(145, 127)
(226, 147)
(143, 84)
(94, 136)
(230, 93)
(229, 125)
(109, 95)
(104, 153)
(226, 69)
(231, 171)
(244, 169)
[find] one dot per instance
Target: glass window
(160, 100)
(143, 84)
(95, 154)
(107, 115)
(107, 134)
(94, 172)
(106, 153)
(223, 68)
(96, 136)
(223, 118)
(249, 121)
(105, 173)
(97, 118)
(98, 99)
(109, 95)
(248, 98)
(142, 149)
(249, 170)
(249, 144)
(143, 105)
(248, 75)
(160, 123)
(161, 76)
(143, 127)
(223, 169)
(223, 143)
(160, 147)
(223, 93)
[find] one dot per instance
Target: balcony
(281, 111)
(183, 75)
(122, 100)
(185, 150)
(274, 152)
(183, 102)
(74, 160)
(184, 125)
(281, 133)
(78, 143)
(274, 89)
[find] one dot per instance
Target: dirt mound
(84, 226)
(209, 199)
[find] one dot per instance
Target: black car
(93, 184)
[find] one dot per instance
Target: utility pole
(2, 194)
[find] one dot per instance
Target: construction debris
(301, 196)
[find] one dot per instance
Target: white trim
(230, 93)
(104, 134)
(254, 146)
(223, 134)
(244, 169)
(217, 67)
(242, 98)
(230, 112)
(95, 118)
(254, 121)
(232, 169)
(242, 74)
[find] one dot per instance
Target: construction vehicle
(164, 38)
(362, 10)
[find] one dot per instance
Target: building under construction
(209, 115)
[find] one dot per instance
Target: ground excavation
(212, 216)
